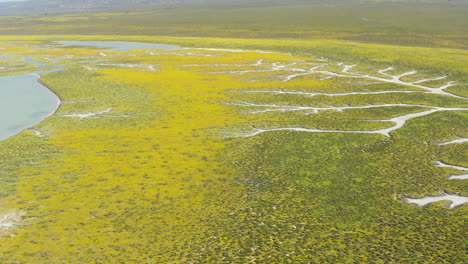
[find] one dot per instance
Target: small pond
(118, 45)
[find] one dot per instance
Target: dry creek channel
(25, 102)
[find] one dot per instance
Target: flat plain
(237, 150)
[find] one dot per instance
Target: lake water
(24, 102)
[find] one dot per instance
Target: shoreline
(59, 97)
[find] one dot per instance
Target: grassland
(212, 156)
(166, 171)
(441, 24)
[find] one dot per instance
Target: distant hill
(60, 6)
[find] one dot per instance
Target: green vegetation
(302, 145)
(156, 170)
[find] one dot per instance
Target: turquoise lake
(24, 102)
